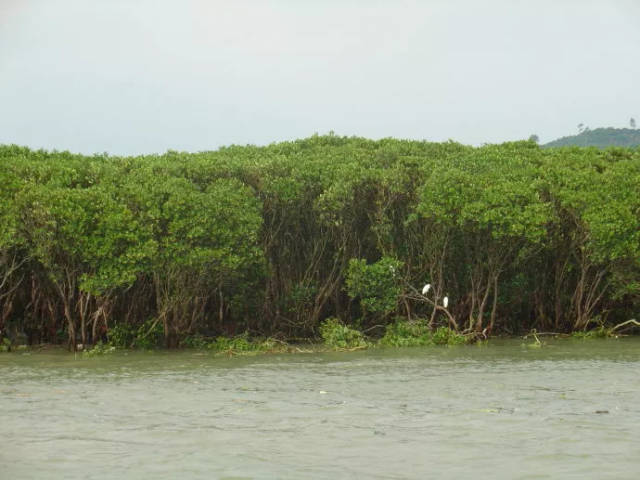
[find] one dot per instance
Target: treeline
(273, 240)
(600, 137)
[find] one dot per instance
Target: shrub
(146, 336)
(242, 344)
(195, 341)
(403, 333)
(377, 285)
(446, 336)
(99, 349)
(337, 335)
(239, 343)
(599, 332)
(121, 335)
(149, 336)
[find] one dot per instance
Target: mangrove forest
(282, 240)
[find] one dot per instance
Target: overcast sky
(142, 76)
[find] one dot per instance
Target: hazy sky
(142, 76)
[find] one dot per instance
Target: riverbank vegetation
(275, 240)
(335, 336)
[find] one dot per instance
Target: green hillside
(600, 137)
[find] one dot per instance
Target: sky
(144, 76)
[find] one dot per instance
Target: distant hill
(600, 137)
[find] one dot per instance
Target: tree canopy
(275, 239)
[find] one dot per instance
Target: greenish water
(568, 410)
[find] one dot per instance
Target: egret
(445, 302)
(426, 288)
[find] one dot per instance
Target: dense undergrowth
(334, 336)
(175, 248)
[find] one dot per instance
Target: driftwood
(632, 321)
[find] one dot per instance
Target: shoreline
(529, 340)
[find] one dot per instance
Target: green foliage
(377, 285)
(99, 349)
(149, 335)
(598, 332)
(121, 335)
(242, 344)
(238, 345)
(600, 137)
(403, 333)
(195, 341)
(273, 239)
(446, 336)
(337, 335)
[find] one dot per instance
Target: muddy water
(568, 410)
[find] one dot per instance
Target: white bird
(445, 302)
(426, 288)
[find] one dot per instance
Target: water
(568, 410)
